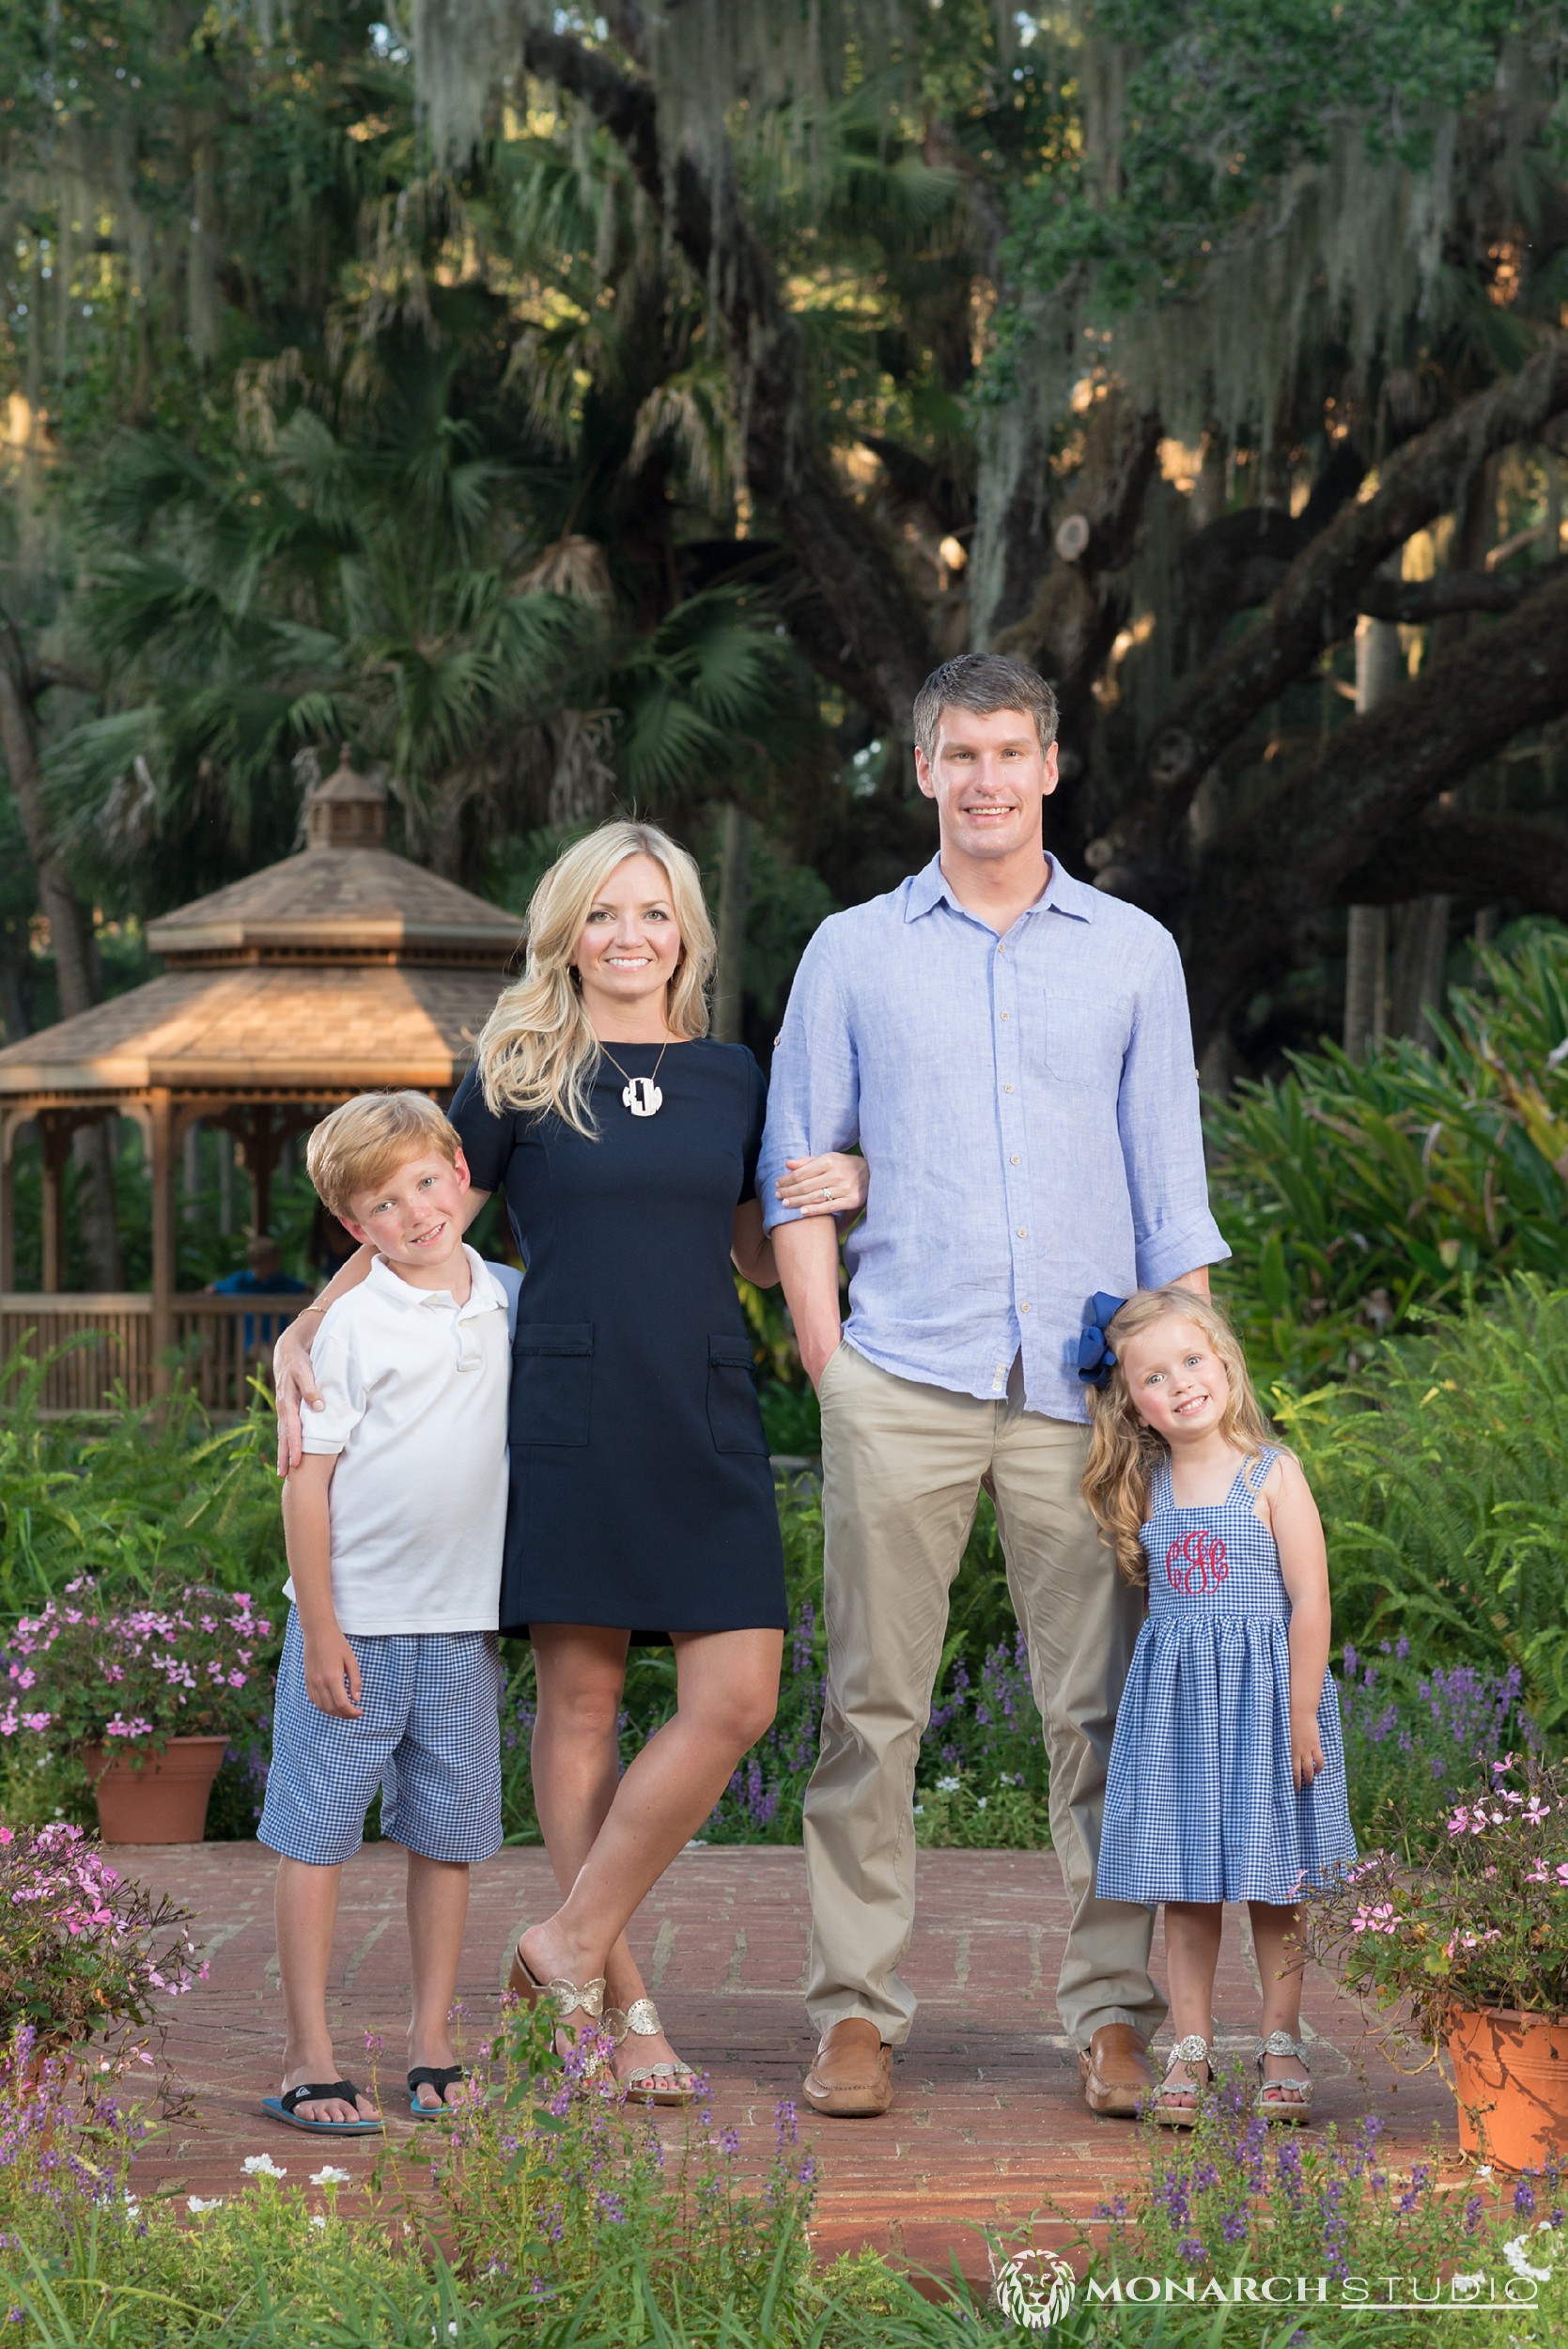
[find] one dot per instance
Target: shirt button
(1014, 1160)
(1007, 1088)
(1024, 1307)
(1023, 1231)
(1007, 1014)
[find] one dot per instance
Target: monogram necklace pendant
(641, 1097)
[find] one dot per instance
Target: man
(263, 1276)
(1012, 1051)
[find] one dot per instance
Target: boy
(394, 1524)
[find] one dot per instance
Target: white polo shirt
(415, 1389)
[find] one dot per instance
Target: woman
(642, 1499)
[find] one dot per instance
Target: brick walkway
(988, 2126)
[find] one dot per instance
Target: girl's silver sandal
(1192, 2049)
(651, 2083)
(1286, 2100)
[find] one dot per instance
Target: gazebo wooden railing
(93, 1344)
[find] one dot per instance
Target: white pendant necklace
(641, 1095)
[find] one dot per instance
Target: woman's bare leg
(580, 1674)
(729, 1684)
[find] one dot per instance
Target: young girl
(1227, 1771)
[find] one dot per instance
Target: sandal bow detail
(650, 2083)
(567, 1997)
(1194, 2049)
(1286, 2100)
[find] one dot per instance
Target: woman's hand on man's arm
(833, 1183)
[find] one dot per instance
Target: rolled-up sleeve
(1161, 1128)
(813, 1091)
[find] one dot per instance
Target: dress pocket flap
(554, 1337)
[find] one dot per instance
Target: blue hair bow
(1096, 1358)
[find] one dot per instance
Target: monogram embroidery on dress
(1196, 1562)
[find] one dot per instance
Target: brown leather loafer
(1115, 2071)
(852, 2076)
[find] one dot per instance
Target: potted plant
(82, 1954)
(1476, 1945)
(147, 1692)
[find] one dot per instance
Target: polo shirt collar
(484, 1297)
(928, 888)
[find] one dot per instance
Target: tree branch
(790, 473)
(1231, 690)
(1372, 780)
(1414, 600)
(1478, 858)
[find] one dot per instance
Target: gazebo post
(10, 1126)
(160, 1120)
(55, 1136)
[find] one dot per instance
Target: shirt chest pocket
(1087, 1038)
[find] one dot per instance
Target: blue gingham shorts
(428, 1733)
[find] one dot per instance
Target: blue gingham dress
(1200, 1801)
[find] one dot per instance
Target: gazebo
(343, 969)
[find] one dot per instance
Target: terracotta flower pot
(1511, 2076)
(164, 1800)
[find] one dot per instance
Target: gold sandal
(651, 2083)
(1190, 2050)
(567, 1997)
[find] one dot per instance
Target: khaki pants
(902, 1468)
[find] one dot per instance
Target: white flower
(262, 2166)
(329, 2176)
(1465, 2287)
(1483, 2169)
(318, 2219)
(979, 1802)
(199, 2208)
(1515, 2254)
(919, 1810)
(947, 1787)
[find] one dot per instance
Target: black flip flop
(441, 2076)
(319, 2093)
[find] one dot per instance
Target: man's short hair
(984, 682)
(263, 1252)
(369, 1138)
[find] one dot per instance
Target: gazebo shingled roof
(341, 969)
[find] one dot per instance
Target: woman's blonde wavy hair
(538, 1052)
(1124, 1453)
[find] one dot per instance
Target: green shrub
(1413, 1736)
(142, 1493)
(1355, 1195)
(1441, 1472)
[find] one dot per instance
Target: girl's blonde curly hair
(1124, 1453)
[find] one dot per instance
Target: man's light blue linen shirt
(1028, 1107)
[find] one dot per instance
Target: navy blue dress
(641, 1492)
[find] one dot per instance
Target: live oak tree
(1265, 291)
(1163, 345)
